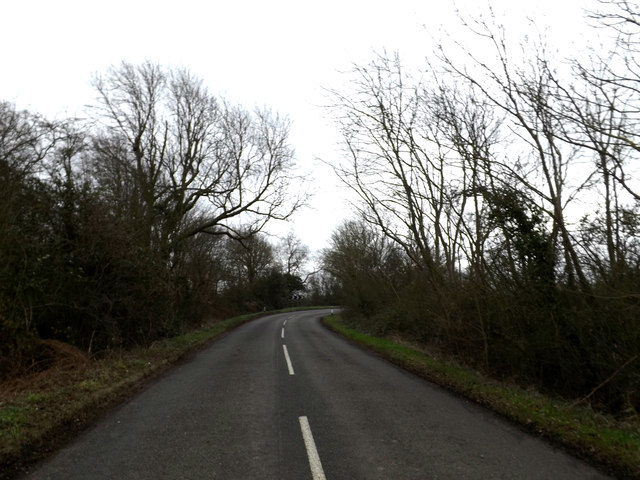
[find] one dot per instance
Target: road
(283, 398)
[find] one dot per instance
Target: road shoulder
(602, 441)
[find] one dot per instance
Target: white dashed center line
(286, 357)
(312, 452)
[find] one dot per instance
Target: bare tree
(293, 254)
(25, 140)
(249, 258)
(420, 160)
(528, 95)
(599, 114)
(470, 128)
(394, 165)
(366, 263)
(191, 163)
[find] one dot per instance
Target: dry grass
(40, 411)
(67, 391)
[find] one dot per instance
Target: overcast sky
(277, 53)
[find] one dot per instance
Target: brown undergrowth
(66, 390)
(41, 410)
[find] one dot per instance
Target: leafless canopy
(190, 162)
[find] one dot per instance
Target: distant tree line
(142, 219)
(498, 211)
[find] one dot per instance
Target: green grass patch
(600, 439)
(12, 420)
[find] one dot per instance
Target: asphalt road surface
(283, 398)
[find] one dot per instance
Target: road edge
(501, 399)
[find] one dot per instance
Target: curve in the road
(244, 408)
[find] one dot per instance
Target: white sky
(275, 53)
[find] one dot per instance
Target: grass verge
(43, 411)
(602, 440)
